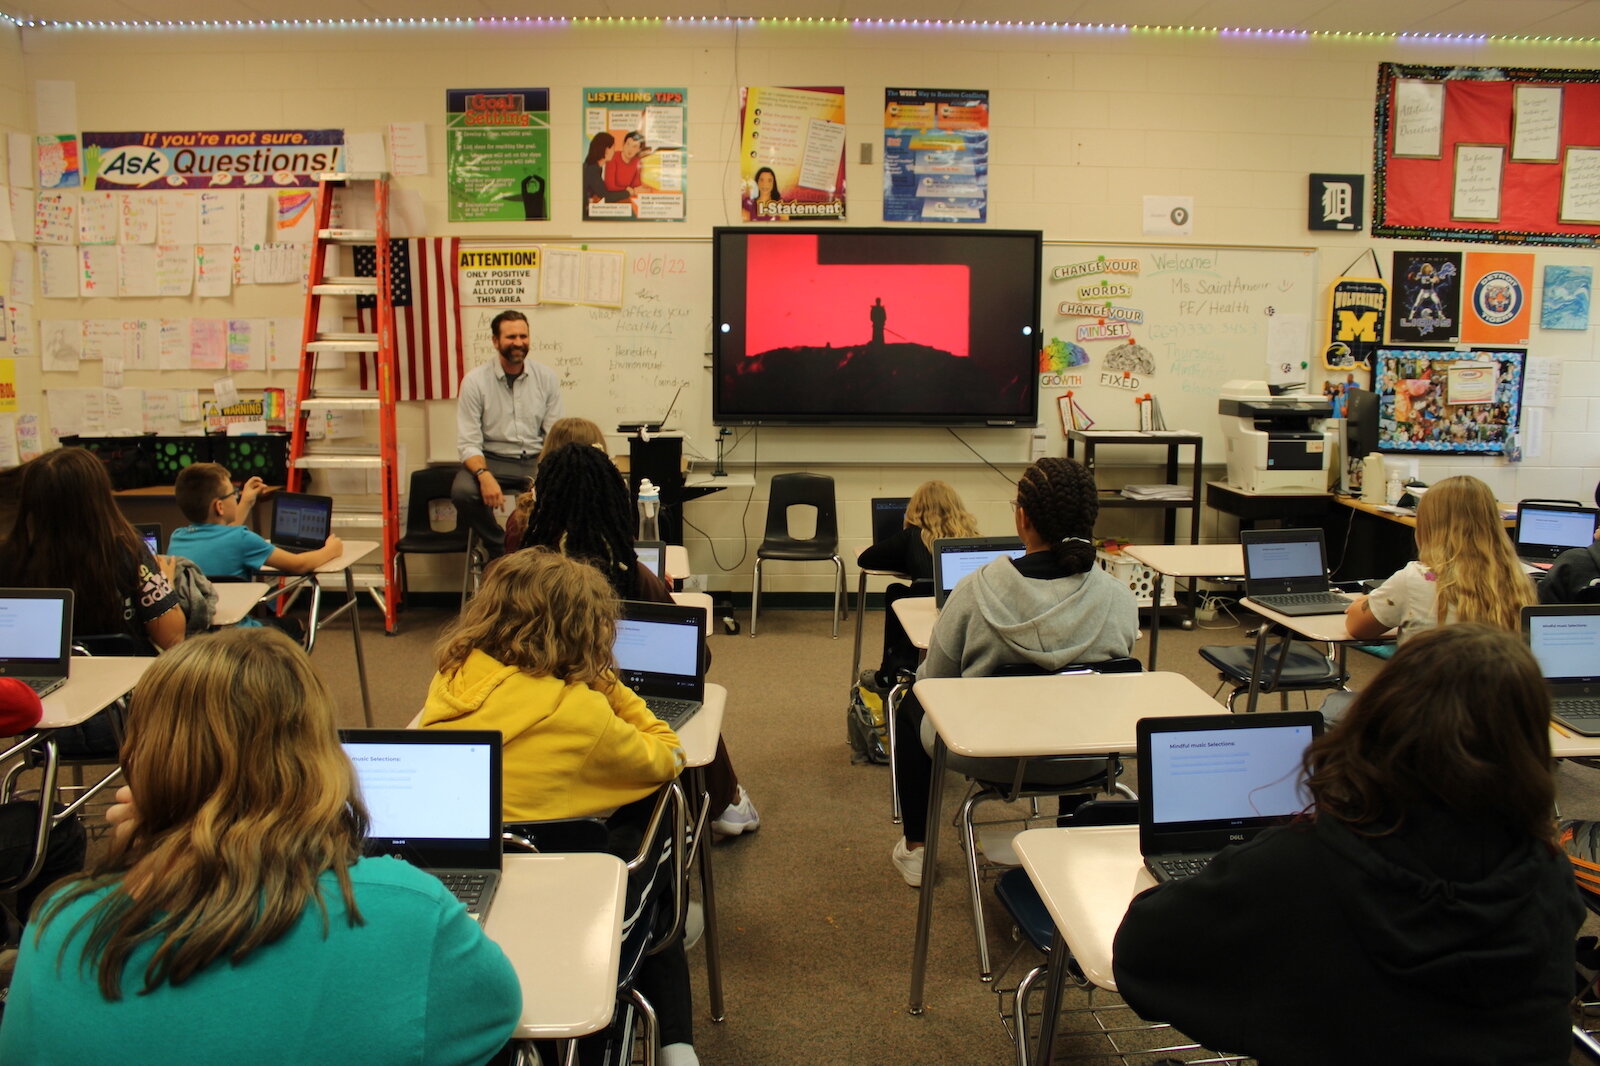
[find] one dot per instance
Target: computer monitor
(1361, 422)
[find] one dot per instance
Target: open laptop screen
(434, 795)
(652, 553)
(1228, 775)
(1566, 641)
(1546, 532)
(301, 521)
(33, 628)
(956, 557)
(888, 516)
(1284, 560)
(658, 650)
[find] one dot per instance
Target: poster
(935, 155)
(791, 154)
(497, 277)
(1428, 307)
(635, 164)
(1358, 311)
(8, 384)
(58, 161)
(202, 159)
(1566, 297)
(1498, 303)
(497, 154)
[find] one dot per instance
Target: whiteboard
(1186, 319)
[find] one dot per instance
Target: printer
(1276, 443)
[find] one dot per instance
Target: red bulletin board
(1412, 197)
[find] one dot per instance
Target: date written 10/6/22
(657, 265)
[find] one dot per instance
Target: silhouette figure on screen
(880, 315)
(532, 198)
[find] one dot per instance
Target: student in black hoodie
(1418, 912)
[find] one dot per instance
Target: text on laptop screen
(425, 791)
(955, 565)
(1566, 645)
(1572, 529)
(655, 647)
(1226, 774)
(1284, 559)
(30, 628)
(298, 520)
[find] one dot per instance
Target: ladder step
(344, 342)
(333, 286)
(366, 175)
(341, 403)
(349, 236)
(342, 462)
(371, 520)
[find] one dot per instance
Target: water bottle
(649, 509)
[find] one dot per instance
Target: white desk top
(1086, 877)
(558, 918)
(1190, 560)
(701, 600)
(700, 733)
(235, 598)
(1054, 714)
(678, 561)
(917, 615)
(1311, 626)
(91, 684)
(707, 480)
(354, 552)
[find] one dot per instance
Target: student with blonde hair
(531, 656)
(1466, 569)
(234, 912)
(569, 430)
(934, 512)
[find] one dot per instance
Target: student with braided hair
(581, 509)
(1049, 609)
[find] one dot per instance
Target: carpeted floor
(817, 926)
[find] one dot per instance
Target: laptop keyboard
(1579, 708)
(1332, 601)
(468, 888)
(1179, 868)
(43, 686)
(671, 711)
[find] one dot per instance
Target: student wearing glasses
(217, 540)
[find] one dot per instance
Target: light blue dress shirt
(504, 416)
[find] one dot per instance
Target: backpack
(1573, 578)
(865, 726)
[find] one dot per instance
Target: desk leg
(861, 608)
(315, 617)
(1055, 985)
(355, 635)
(1257, 666)
(891, 701)
(708, 895)
(930, 867)
(1155, 616)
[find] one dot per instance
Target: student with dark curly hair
(1049, 609)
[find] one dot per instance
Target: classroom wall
(1084, 124)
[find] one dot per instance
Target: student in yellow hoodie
(531, 656)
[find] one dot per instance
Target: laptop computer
(1565, 638)
(652, 427)
(434, 798)
(956, 557)
(660, 656)
(653, 554)
(1287, 570)
(300, 522)
(1545, 530)
(151, 533)
(1211, 780)
(36, 637)
(888, 516)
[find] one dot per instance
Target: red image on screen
(795, 301)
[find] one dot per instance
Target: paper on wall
(363, 152)
(173, 344)
(58, 271)
(175, 269)
(8, 225)
(19, 160)
(161, 411)
(55, 218)
(23, 344)
(208, 343)
(226, 392)
(138, 270)
(218, 214)
(124, 412)
(8, 387)
(98, 221)
(1541, 384)
(293, 215)
(282, 263)
(75, 411)
(102, 337)
(21, 204)
(28, 444)
(63, 341)
(283, 345)
(9, 455)
(98, 263)
(189, 409)
(111, 371)
(254, 218)
(141, 343)
(139, 218)
(177, 220)
(408, 149)
(213, 269)
(246, 351)
(22, 276)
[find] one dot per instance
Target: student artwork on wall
(1487, 154)
(634, 164)
(1448, 401)
(58, 161)
(1566, 297)
(791, 154)
(497, 154)
(1428, 309)
(1497, 307)
(935, 155)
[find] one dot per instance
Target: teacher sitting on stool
(502, 413)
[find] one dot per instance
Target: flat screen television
(834, 326)
(1439, 401)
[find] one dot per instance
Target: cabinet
(1089, 439)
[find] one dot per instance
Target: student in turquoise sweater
(233, 919)
(218, 541)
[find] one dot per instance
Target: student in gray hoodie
(1049, 609)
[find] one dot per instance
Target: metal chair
(1010, 780)
(801, 490)
(1289, 666)
(655, 916)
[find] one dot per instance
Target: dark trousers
(63, 854)
(467, 495)
(913, 769)
(898, 651)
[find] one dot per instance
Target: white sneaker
(908, 861)
(694, 924)
(738, 817)
(678, 1055)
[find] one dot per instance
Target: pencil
(1557, 727)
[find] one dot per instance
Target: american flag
(427, 320)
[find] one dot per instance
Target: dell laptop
(652, 427)
(1287, 570)
(150, 533)
(1211, 780)
(888, 516)
(956, 557)
(434, 799)
(301, 523)
(1545, 530)
(660, 652)
(36, 637)
(1565, 638)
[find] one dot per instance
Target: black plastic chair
(1288, 666)
(429, 484)
(801, 490)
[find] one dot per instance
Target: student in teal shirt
(218, 541)
(233, 918)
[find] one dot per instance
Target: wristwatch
(480, 471)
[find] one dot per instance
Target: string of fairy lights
(719, 21)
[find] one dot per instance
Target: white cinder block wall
(1084, 125)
